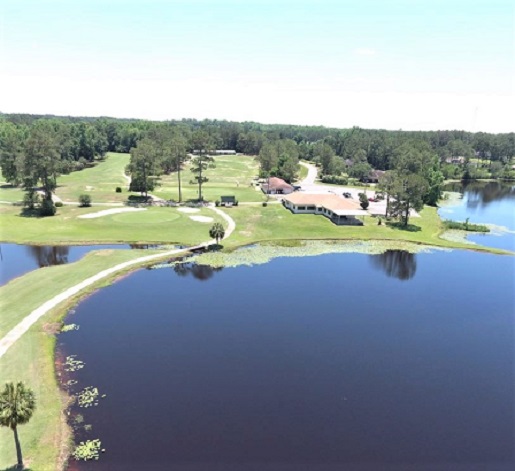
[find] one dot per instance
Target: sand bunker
(188, 210)
(107, 212)
(201, 218)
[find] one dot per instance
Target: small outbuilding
(227, 200)
(276, 186)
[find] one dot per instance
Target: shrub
(84, 201)
(118, 189)
(217, 203)
(235, 202)
(335, 179)
(466, 226)
(265, 204)
(58, 204)
(363, 200)
(47, 208)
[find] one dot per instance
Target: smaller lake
(485, 203)
(16, 260)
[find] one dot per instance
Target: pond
(16, 260)
(340, 361)
(485, 203)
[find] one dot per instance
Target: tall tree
(143, 166)
(408, 193)
(17, 404)
(202, 145)
(40, 160)
(11, 149)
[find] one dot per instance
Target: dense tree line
(35, 150)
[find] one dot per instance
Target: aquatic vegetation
(78, 419)
(465, 226)
(71, 382)
(88, 397)
(263, 253)
(72, 364)
(88, 450)
(69, 327)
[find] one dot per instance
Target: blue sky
(410, 64)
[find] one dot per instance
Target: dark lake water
(336, 362)
(16, 260)
(485, 203)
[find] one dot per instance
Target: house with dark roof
(340, 211)
(373, 176)
(276, 186)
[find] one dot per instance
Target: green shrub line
(465, 226)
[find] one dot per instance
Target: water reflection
(481, 193)
(46, 255)
(199, 272)
(396, 263)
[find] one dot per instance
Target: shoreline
(46, 342)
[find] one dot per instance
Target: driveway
(309, 185)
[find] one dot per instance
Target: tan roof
(277, 183)
(335, 203)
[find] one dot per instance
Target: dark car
(296, 187)
(347, 194)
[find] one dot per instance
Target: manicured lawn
(154, 225)
(303, 172)
(232, 175)
(99, 182)
(274, 222)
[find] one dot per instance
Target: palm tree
(217, 232)
(17, 404)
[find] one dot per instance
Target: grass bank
(31, 358)
(275, 223)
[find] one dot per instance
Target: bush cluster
(84, 201)
(335, 179)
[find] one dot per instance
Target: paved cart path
(25, 324)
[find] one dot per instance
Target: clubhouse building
(339, 210)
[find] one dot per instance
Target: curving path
(311, 176)
(25, 324)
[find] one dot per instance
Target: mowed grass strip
(31, 358)
(274, 222)
(231, 175)
(154, 225)
(99, 181)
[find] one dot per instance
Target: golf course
(27, 351)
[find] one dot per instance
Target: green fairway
(232, 175)
(153, 225)
(99, 182)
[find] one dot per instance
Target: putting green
(146, 217)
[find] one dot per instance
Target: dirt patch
(52, 328)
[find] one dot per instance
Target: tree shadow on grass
(30, 213)
(401, 227)
(15, 468)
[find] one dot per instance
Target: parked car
(347, 194)
(296, 187)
